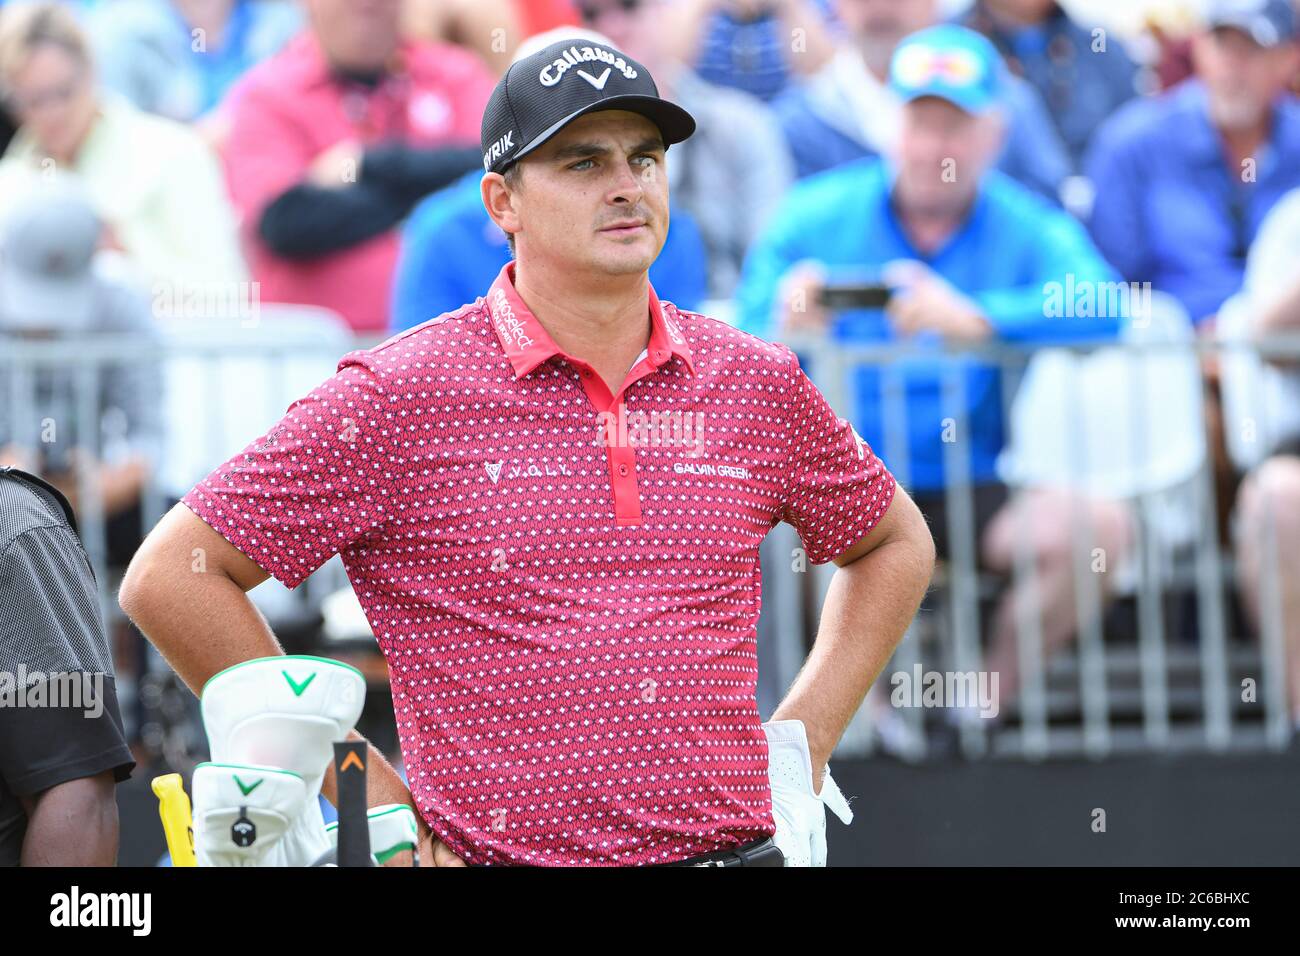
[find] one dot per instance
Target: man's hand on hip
(798, 806)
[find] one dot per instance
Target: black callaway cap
(541, 93)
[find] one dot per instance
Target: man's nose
(627, 183)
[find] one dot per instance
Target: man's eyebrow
(575, 150)
(580, 149)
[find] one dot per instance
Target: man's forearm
(73, 824)
(201, 623)
(868, 608)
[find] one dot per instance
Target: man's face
(943, 153)
(627, 23)
(1242, 78)
(884, 23)
(1023, 11)
(356, 35)
(53, 98)
(594, 197)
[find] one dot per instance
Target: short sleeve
(318, 481)
(59, 714)
(44, 746)
(837, 490)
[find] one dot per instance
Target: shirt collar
(527, 344)
(888, 171)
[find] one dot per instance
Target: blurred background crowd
(272, 174)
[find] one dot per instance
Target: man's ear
(1288, 62)
(498, 201)
(993, 128)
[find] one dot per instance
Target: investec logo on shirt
(508, 325)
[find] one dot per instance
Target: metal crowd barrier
(1186, 694)
(1188, 675)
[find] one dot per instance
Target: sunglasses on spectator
(918, 66)
(592, 10)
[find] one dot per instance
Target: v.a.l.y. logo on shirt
(531, 469)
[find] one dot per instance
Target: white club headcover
(242, 814)
(799, 812)
(392, 830)
(285, 712)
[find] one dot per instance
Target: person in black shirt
(62, 747)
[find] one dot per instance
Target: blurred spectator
(53, 287)
(1169, 28)
(1184, 180)
(758, 46)
(540, 16)
(155, 184)
(731, 174)
(334, 140)
(450, 246)
(7, 128)
(1268, 503)
(177, 58)
(969, 258)
(491, 28)
(1083, 75)
(847, 111)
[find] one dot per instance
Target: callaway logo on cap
(541, 93)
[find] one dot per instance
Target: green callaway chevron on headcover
(284, 712)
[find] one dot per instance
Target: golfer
(549, 503)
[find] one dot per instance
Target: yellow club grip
(177, 821)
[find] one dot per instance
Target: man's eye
(650, 157)
(579, 163)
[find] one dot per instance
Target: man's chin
(629, 259)
(1237, 114)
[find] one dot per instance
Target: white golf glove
(800, 813)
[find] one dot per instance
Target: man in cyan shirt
(971, 257)
(550, 504)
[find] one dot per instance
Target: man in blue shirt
(748, 44)
(847, 111)
(1082, 74)
(451, 251)
(178, 58)
(971, 257)
(1183, 181)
